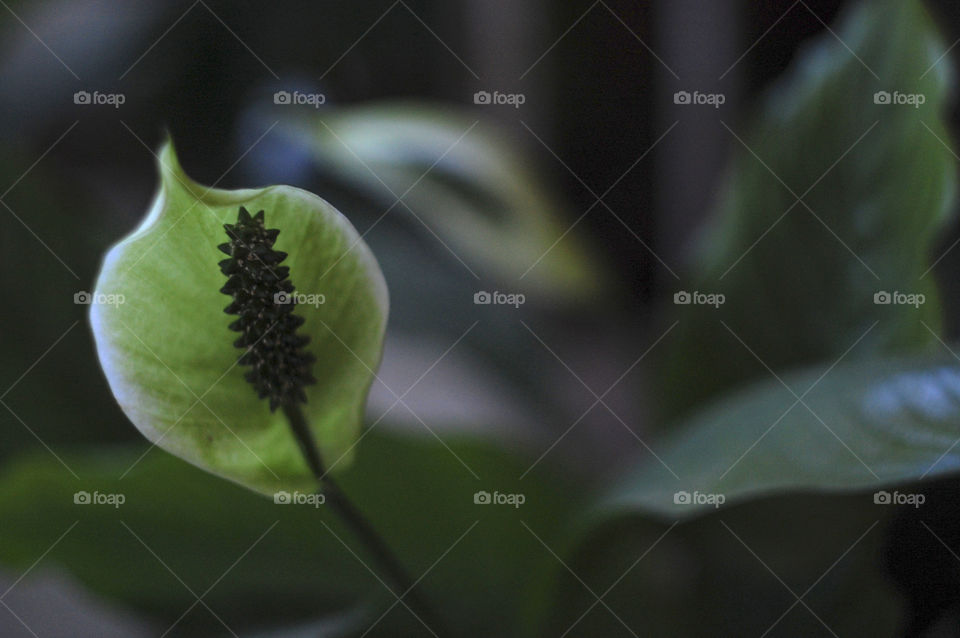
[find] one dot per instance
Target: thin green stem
(357, 522)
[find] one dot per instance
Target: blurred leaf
(861, 427)
(200, 526)
(877, 182)
(163, 341)
(731, 574)
(466, 181)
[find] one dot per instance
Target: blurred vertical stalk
(701, 41)
(502, 45)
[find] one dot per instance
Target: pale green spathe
(169, 357)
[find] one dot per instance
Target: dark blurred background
(598, 78)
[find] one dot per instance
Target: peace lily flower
(169, 356)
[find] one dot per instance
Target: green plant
(806, 419)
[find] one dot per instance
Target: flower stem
(357, 522)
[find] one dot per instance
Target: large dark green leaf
(877, 182)
(856, 428)
(858, 425)
(416, 492)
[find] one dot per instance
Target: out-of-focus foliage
(199, 525)
(875, 182)
(469, 185)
